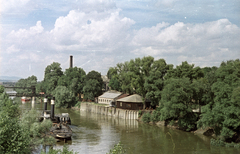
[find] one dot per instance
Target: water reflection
(97, 134)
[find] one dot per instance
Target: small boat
(61, 131)
(25, 99)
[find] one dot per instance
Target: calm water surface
(97, 134)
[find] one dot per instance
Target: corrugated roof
(123, 95)
(110, 94)
(133, 98)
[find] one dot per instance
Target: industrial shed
(133, 102)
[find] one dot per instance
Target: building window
(128, 105)
(120, 103)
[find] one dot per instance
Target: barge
(60, 128)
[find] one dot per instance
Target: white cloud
(98, 32)
(207, 41)
(94, 31)
(12, 49)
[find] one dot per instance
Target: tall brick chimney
(71, 61)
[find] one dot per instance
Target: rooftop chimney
(71, 61)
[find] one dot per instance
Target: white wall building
(109, 96)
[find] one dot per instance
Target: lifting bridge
(32, 94)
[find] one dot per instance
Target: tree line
(176, 91)
(67, 87)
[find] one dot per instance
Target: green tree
(1, 89)
(185, 70)
(38, 132)
(92, 85)
(64, 98)
(154, 82)
(112, 72)
(52, 73)
(223, 113)
(114, 84)
(73, 79)
(28, 82)
(176, 103)
(92, 89)
(13, 138)
(41, 87)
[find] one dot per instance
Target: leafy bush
(117, 149)
(13, 137)
(219, 142)
(171, 123)
(78, 104)
(146, 117)
(65, 150)
(64, 97)
(139, 113)
(155, 116)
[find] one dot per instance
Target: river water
(97, 134)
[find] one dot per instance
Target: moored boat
(61, 131)
(25, 99)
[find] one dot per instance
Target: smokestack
(52, 107)
(45, 103)
(71, 61)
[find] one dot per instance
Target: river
(97, 134)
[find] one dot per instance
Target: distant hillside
(9, 78)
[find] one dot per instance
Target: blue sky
(101, 33)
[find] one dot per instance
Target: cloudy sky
(101, 33)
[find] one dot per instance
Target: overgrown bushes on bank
(219, 142)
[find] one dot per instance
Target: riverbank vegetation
(21, 132)
(188, 96)
(117, 149)
(192, 97)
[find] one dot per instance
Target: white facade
(109, 96)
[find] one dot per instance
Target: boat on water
(61, 131)
(60, 128)
(25, 99)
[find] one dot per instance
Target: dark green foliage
(65, 150)
(185, 70)
(52, 73)
(78, 104)
(28, 82)
(13, 138)
(36, 131)
(73, 79)
(64, 97)
(154, 82)
(114, 84)
(219, 142)
(155, 116)
(92, 85)
(146, 117)
(112, 72)
(1, 89)
(117, 149)
(91, 89)
(66, 87)
(177, 102)
(139, 113)
(223, 115)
